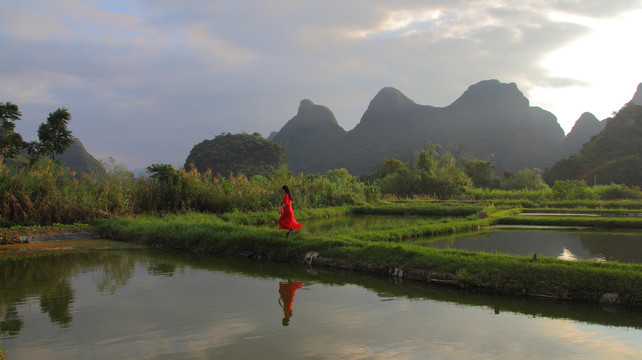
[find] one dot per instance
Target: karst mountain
(489, 121)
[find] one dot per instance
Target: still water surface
(140, 304)
(592, 244)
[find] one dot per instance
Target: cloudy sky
(146, 80)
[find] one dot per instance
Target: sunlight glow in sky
(600, 60)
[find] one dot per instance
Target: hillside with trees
(235, 154)
(612, 156)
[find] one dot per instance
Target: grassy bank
(13, 235)
(377, 251)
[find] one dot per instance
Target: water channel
(116, 301)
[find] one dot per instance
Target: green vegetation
(229, 154)
(576, 193)
(54, 137)
(10, 141)
(45, 193)
(379, 251)
(433, 174)
(612, 156)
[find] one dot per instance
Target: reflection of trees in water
(12, 322)
(161, 268)
(117, 270)
(56, 302)
(48, 277)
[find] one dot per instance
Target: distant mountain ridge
(490, 121)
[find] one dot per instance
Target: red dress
(287, 220)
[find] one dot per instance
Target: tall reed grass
(48, 193)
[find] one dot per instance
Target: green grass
(378, 251)
(413, 207)
(575, 221)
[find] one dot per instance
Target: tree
(482, 173)
(571, 190)
(54, 136)
(432, 175)
(427, 159)
(388, 166)
(10, 141)
(525, 179)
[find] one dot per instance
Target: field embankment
(379, 252)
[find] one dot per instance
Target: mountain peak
(585, 127)
(313, 124)
(390, 98)
(310, 114)
(587, 117)
(304, 104)
(492, 93)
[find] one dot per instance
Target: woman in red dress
(287, 220)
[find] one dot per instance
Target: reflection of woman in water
(287, 220)
(287, 290)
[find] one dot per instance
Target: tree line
(441, 176)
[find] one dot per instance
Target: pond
(125, 302)
(569, 244)
(561, 243)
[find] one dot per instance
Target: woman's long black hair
(287, 191)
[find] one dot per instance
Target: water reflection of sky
(195, 313)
